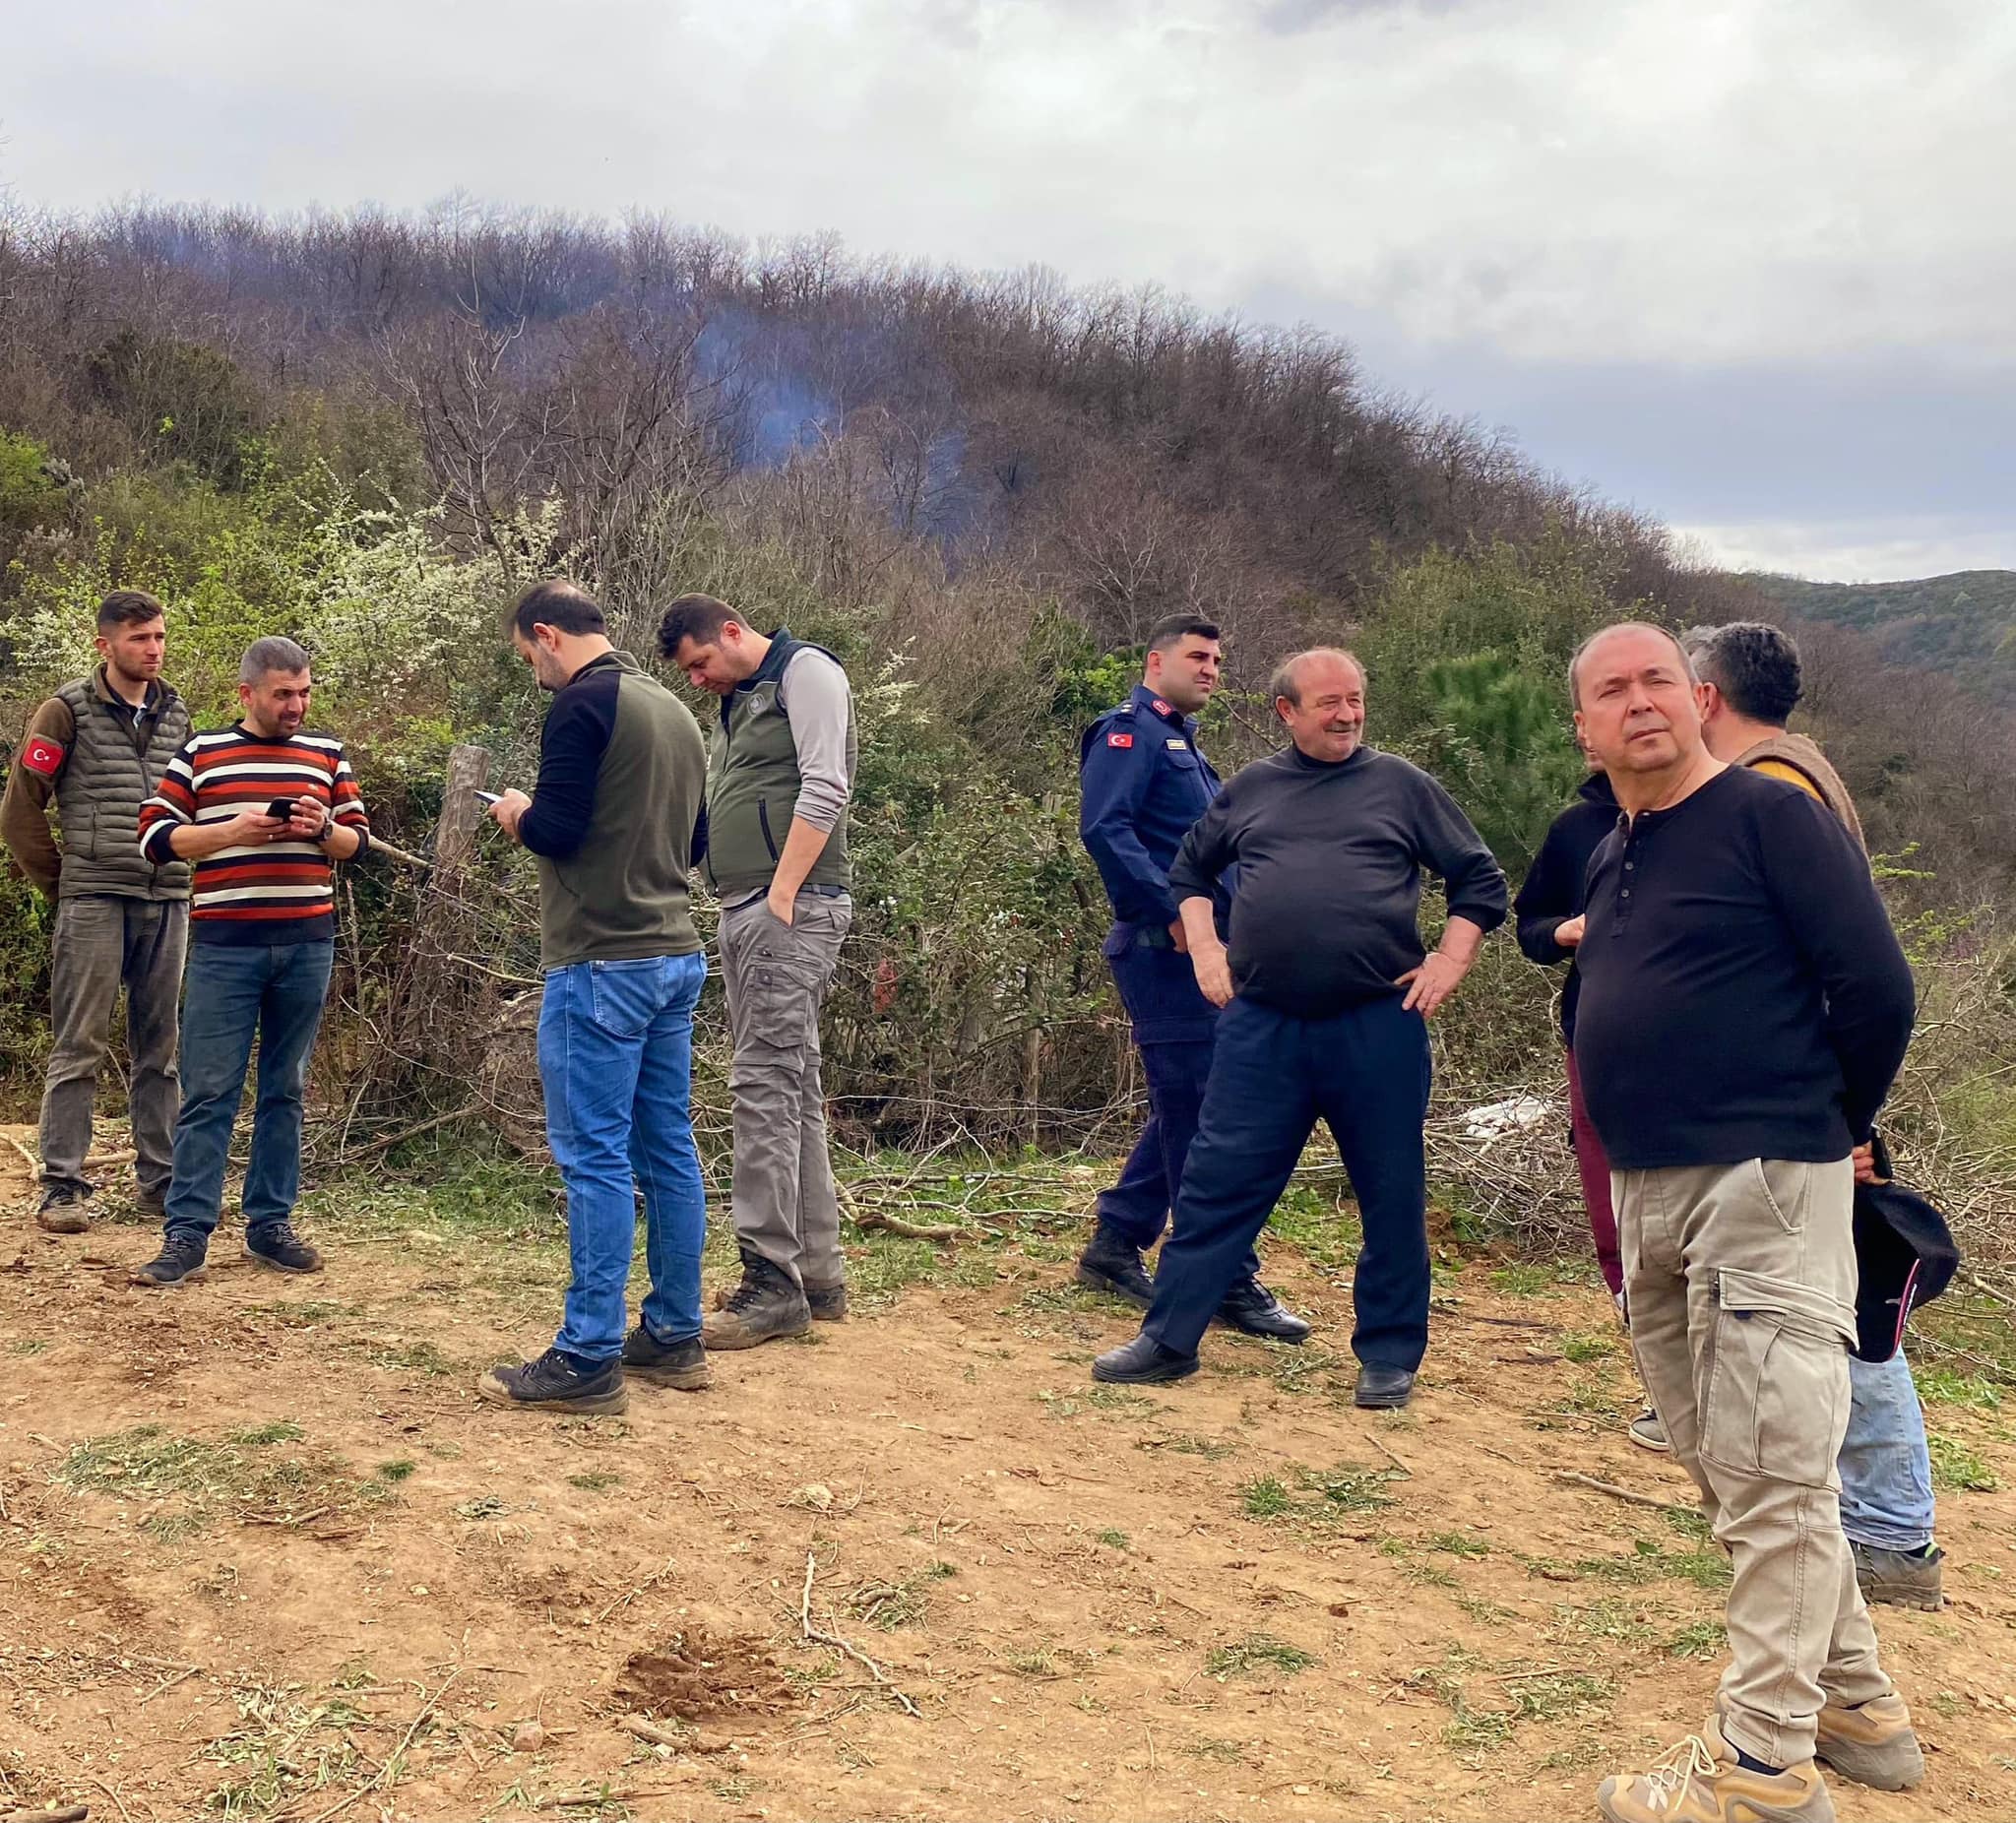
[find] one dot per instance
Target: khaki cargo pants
(777, 975)
(1741, 1281)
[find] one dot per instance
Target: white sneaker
(1649, 1433)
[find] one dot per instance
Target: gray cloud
(1599, 221)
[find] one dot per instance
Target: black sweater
(1330, 859)
(1551, 892)
(1744, 996)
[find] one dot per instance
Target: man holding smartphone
(262, 808)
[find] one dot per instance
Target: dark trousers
(1172, 1024)
(1365, 1071)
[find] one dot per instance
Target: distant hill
(1963, 624)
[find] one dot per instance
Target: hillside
(1963, 624)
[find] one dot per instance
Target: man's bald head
(1320, 695)
(1624, 629)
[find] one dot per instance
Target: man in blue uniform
(1144, 784)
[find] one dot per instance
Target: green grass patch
(1458, 1544)
(1320, 1224)
(396, 1471)
(1957, 1469)
(191, 1479)
(596, 1481)
(1943, 1386)
(1115, 1537)
(1266, 1498)
(1701, 1639)
(1257, 1653)
(882, 1267)
(900, 1603)
(1592, 1346)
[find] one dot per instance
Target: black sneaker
(153, 1202)
(276, 1244)
(179, 1261)
(1251, 1308)
(1112, 1264)
(827, 1302)
(553, 1383)
(681, 1364)
(62, 1213)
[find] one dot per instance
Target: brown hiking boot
(1901, 1578)
(62, 1213)
(1701, 1781)
(1873, 1743)
(827, 1302)
(765, 1307)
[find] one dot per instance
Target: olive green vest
(752, 785)
(112, 767)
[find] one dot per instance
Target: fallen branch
(1981, 1285)
(623, 1601)
(386, 1141)
(75, 1815)
(1569, 1477)
(1389, 1455)
(592, 1801)
(34, 1164)
(817, 1637)
(912, 1230)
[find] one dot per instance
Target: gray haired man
(779, 772)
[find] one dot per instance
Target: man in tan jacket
(1751, 682)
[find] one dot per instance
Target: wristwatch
(321, 835)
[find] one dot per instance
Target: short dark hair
(129, 608)
(695, 617)
(1286, 684)
(1755, 666)
(556, 602)
(1175, 628)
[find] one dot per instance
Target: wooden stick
(657, 1576)
(34, 1164)
(379, 846)
(1981, 1285)
(1389, 1455)
(118, 1801)
(77, 1813)
(820, 1638)
(648, 1731)
(914, 1230)
(385, 1140)
(1569, 1477)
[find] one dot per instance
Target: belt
(817, 892)
(1153, 937)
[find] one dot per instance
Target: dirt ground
(267, 1556)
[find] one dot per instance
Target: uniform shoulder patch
(1119, 741)
(1162, 708)
(1173, 741)
(42, 756)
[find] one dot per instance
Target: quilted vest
(112, 769)
(752, 785)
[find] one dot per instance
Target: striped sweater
(277, 892)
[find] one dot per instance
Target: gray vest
(752, 787)
(112, 769)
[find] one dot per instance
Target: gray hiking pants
(777, 975)
(104, 940)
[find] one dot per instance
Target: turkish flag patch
(1119, 741)
(41, 756)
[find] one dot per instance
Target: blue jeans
(233, 994)
(1365, 1071)
(1886, 1470)
(616, 1061)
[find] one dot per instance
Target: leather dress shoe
(1251, 1308)
(1144, 1361)
(1382, 1389)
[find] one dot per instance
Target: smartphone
(489, 797)
(281, 808)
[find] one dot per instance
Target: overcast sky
(1751, 267)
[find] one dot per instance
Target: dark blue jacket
(1142, 784)
(1551, 893)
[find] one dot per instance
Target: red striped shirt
(279, 892)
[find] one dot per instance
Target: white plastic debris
(1496, 1119)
